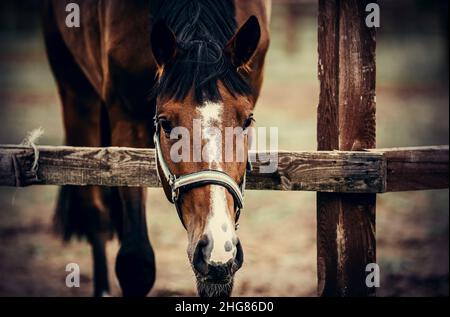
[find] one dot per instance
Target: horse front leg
(135, 262)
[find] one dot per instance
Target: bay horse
(131, 64)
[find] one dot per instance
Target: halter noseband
(197, 179)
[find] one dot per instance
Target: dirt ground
(277, 228)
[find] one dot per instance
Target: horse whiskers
(214, 290)
(208, 289)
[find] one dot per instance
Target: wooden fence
(372, 171)
(345, 172)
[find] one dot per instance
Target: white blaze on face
(219, 229)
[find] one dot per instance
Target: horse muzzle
(213, 272)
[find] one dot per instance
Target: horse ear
(243, 45)
(164, 43)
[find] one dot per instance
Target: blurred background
(278, 229)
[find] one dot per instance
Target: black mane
(202, 28)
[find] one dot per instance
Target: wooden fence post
(346, 121)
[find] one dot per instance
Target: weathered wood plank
(85, 166)
(416, 168)
(328, 71)
(308, 171)
(325, 171)
(346, 121)
(374, 171)
(357, 85)
(327, 139)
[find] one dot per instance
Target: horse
(127, 76)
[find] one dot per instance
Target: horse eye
(248, 122)
(165, 125)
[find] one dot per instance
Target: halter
(197, 179)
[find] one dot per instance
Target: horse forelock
(202, 28)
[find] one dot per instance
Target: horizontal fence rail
(373, 171)
(416, 168)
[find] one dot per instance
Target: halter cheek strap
(197, 179)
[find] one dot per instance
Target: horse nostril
(198, 260)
